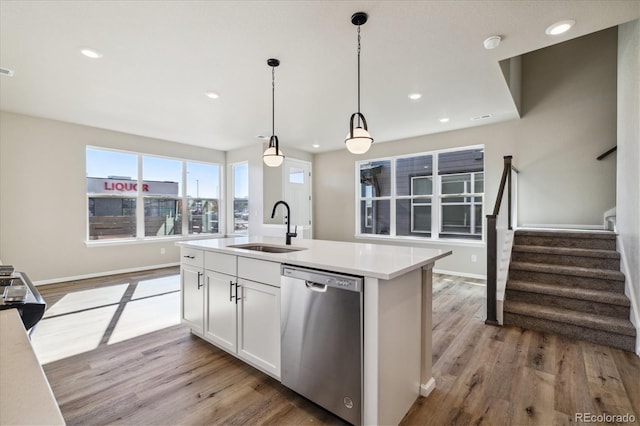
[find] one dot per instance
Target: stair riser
(586, 306)
(600, 337)
(554, 259)
(587, 243)
(567, 280)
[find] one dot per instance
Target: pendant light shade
(273, 156)
(358, 140)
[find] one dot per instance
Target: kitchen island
(396, 312)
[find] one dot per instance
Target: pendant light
(272, 156)
(358, 139)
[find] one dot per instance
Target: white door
(297, 191)
(221, 310)
(259, 326)
(192, 307)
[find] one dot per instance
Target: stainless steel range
(18, 292)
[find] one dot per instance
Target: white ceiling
(160, 57)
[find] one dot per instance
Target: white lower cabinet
(192, 300)
(259, 325)
(241, 316)
(221, 310)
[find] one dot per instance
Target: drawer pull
(189, 257)
(199, 276)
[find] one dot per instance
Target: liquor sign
(130, 187)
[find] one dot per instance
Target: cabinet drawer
(193, 257)
(261, 271)
(225, 263)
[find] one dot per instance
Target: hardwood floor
(484, 374)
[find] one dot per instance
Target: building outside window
(119, 182)
(240, 198)
(436, 195)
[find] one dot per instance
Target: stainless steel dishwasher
(321, 331)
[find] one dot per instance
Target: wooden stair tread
(567, 316)
(567, 251)
(577, 271)
(599, 296)
(605, 235)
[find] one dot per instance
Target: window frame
(140, 198)
(435, 198)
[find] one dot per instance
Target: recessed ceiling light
(415, 96)
(315, 145)
(492, 42)
(90, 53)
(212, 95)
(444, 120)
(560, 27)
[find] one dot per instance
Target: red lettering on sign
(124, 186)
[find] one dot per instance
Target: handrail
(606, 154)
(492, 244)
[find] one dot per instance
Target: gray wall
(569, 118)
(628, 208)
(43, 203)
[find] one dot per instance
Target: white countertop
(369, 260)
(25, 395)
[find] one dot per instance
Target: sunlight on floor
(87, 299)
(156, 286)
(67, 335)
(146, 315)
(82, 321)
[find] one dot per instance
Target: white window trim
(436, 206)
(140, 237)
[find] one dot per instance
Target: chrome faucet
(289, 234)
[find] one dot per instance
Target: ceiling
(160, 57)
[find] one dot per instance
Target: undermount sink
(266, 248)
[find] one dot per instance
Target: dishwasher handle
(320, 288)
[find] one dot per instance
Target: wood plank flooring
(484, 374)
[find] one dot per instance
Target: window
(133, 195)
(434, 195)
(240, 198)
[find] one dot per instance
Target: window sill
(423, 241)
(148, 240)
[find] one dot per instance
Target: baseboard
(460, 274)
(427, 388)
(104, 274)
(630, 293)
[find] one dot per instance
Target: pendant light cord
(273, 101)
(359, 125)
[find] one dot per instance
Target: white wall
(43, 207)
(628, 208)
(568, 105)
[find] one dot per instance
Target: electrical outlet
(163, 250)
(474, 258)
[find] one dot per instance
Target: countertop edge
(279, 258)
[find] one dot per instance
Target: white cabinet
(221, 310)
(259, 325)
(192, 300)
(242, 315)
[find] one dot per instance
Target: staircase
(569, 283)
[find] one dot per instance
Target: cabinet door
(221, 310)
(192, 306)
(259, 326)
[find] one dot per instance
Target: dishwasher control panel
(330, 279)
